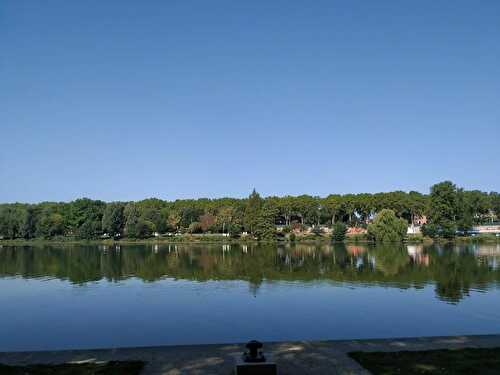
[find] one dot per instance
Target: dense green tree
(478, 205)
(263, 228)
(495, 204)
(190, 215)
(113, 219)
(464, 212)
(132, 218)
(234, 230)
(50, 225)
(339, 232)
(310, 209)
(473, 207)
(332, 205)
(286, 208)
(225, 217)
(145, 228)
(348, 208)
(305, 208)
(174, 219)
(82, 210)
(444, 200)
(253, 211)
(387, 227)
(28, 223)
(430, 230)
(11, 217)
(89, 230)
(363, 205)
(155, 211)
(135, 225)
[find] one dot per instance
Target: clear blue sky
(122, 100)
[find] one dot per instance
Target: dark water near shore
(60, 297)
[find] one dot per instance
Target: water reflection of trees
(454, 270)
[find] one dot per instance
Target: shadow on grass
(108, 368)
(459, 361)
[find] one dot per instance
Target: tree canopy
(447, 207)
(387, 227)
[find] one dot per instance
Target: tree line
(448, 208)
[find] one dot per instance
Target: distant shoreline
(221, 240)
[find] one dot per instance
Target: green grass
(456, 362)
(414, 238)
(358, 237)
(108, 368)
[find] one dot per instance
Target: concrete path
(305, 357)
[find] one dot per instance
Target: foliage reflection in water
(454, 270)
(65, 297)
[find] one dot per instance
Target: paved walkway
(305, 357)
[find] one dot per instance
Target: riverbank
(187, 239)
(311, 357)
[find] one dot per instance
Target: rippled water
(58, 297)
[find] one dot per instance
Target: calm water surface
(59, 297)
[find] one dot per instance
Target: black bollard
(253, 361)
(254, 355)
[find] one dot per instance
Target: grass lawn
(461, 361)
(108, 368)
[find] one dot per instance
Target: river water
(65, 297)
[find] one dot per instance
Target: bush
(89, 230)
(387, 227)
(235, 230)
(448, 230)
(195, 228)
(292, 237)
(339, 232)
(140, 229)
(430, 230)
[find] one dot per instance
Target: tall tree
(443, 208)
(113, 220)
(264, 228)
(132, 218)
(252, 210)
(207, 222)
(464, 215)
(225, 217)
(417, 206)
(495, 204)
(332, 204)
(85, 210)
(174, 219)
(28, 223)
(50, 224)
